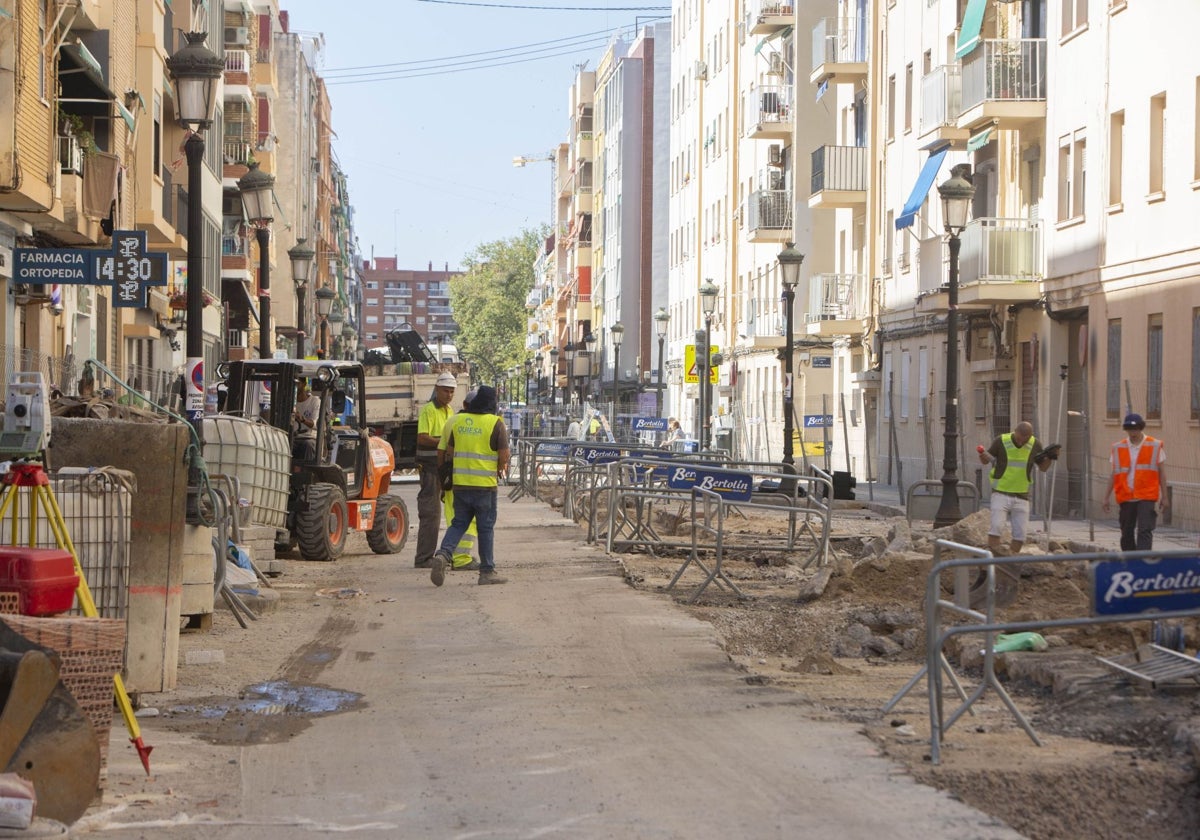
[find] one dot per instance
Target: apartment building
(394, 296)
(1077, 268)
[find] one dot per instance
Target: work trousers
(429, 512)
(478, 503)
(1141, 515)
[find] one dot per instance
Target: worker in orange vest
(1139, 483)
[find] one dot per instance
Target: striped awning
(972, 25)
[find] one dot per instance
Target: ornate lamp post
(617, 331)
(537, 365)
(197, 71)
(302, 261)
(570, 351)
(324, 296)
(258, 194)
(528, 363)
(661, 319)
(589, 341)
(553, 375)
(708, 305)
(956, 194)
(335, 319)
(789, 268)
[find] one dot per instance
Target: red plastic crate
(44, 578)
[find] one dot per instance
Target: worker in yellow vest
(476, 444)
(1013, 456)
(430, 423)
(1138, 481)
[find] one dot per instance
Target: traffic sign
(689, 362)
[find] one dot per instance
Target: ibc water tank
(259, 455)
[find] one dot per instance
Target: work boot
(427, 563)
(473, 566)
(437, 570)
(488, 576)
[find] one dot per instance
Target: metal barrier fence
(1166, 589)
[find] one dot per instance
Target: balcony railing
(237, 61)
(237, 338)
(770, 210)
(834, 297)
(1011, 70)
(1006, 250)
(70, 155)
(838, 40)
(770, 104)
(237, 151)
(233, 246)
(842, 168)
(941, 97)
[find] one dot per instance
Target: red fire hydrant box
(44, 578)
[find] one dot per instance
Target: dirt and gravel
(1117, 758)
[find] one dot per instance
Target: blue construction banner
(595, 454)
(731, 485)
(649, 424)
(1160, 584)
(552, 449)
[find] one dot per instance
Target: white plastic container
(258, 454)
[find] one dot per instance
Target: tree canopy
(488, 302)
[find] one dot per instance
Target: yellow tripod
(41, 501)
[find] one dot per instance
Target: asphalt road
(564, 704)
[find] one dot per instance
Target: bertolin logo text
(1131, 585)
(732, 484)
(683, 474)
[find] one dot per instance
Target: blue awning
(972, 25)
(924, 181)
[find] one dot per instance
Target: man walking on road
(430, 424)
(1013, 456)
(1138, 480)
(477, 446)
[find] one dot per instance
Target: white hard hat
(447, 380)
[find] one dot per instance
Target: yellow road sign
(689, 363)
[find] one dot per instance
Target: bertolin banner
(1161, 584)
(594, 454)
(733, 486)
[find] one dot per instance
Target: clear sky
(459, 89)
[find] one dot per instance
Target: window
(1158, 133)
(1072, 180)
(908, 97)
(905, 367)
(1112, 382)
(372, 319)
(372, 301)
(156, 137)
(887, 385)
(1154, 366)
(1116, 145)
(891, 108)
(922, 380)
(1196, 363)
(1074, 15)
(372, 284)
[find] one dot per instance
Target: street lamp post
(617, 331)
(302, 259)
(589, 342)
(324, 296)
(553, 376)
(197, 71)
(537, 365)
(528, 366)
(789, 267)
(335, 320)
(258, 193)
(956, 194)
(708, 305)
(569, 392)
(661, 319)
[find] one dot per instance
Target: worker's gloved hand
(446, 476)
(1050, 453)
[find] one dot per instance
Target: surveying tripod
(28, 475)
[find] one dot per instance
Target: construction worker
(476, 444)
(1138, 480)
(430, 424)
(1013, 456)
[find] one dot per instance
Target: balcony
(762, 329)
(1000, 263)
(769, 216)
(839, 177)
(835, 305)
(237, 152)
(839, 54)
(1004, 83)
(769, 112)
(237, 76)
(941, 103)
(583, 146)
(769, 16)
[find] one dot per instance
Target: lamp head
(661, 319)
(617, 331)
(258, 194)
(708, 297)
(589, 341)
(324, 296)
(956, 193)
(196, 70)
(302, 260)
(790, 261)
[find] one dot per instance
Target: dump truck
(399, 381)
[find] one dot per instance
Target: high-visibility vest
(1015, 478)
(1145, 471)
(475, 462)
(431, 421)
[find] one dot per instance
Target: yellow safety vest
(1015, 478)
(431, 421)
(475, 462)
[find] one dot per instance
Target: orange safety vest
(1145, 472)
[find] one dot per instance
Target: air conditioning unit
(776, 180)
(701, 70)
(776, 68)
(775, 155)
(237, 35)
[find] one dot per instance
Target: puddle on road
(265, 713)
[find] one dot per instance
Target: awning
(125, 115)
(924, 181)
(972, 24)
(978, 141)
(81, 77)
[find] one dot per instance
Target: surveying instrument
(27, 496)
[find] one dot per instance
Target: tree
(488, 302)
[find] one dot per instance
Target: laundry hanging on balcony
(924, 181)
